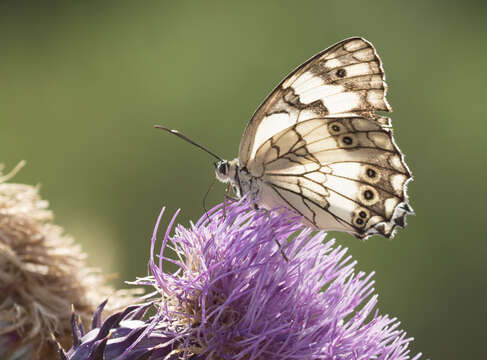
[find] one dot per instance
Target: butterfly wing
(345, 79)
(319, 147)
(343, 174)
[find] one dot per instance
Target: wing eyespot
(347, 140)
(368, 195)
(341, 73)
(371, 174)
(360, 217)
(336, 128)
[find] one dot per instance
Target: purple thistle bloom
(122, 333)
(236, 296)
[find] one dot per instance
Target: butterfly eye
(223, 168)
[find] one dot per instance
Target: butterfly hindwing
(346, 79)
(340, 173)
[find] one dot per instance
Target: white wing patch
(271, 124)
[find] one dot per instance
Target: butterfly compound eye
(223, 168)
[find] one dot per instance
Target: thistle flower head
(235, 296)
(111, 338)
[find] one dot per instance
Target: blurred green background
(82, 83)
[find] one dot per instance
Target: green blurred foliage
(82, 84)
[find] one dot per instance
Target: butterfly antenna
(185, 138)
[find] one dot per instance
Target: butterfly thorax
(240, 179)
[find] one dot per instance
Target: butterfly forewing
(320, 149)
(345, 79)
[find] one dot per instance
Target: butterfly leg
(231, 198)
(267, 214)
(282, 251)
(227, 195)
(280, 248)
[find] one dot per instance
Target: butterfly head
(225, 171)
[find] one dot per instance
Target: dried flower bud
(42, 273)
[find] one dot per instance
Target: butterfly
(317, 146)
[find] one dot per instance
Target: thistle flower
(42, 273)
(235, 296)
(111, 338)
